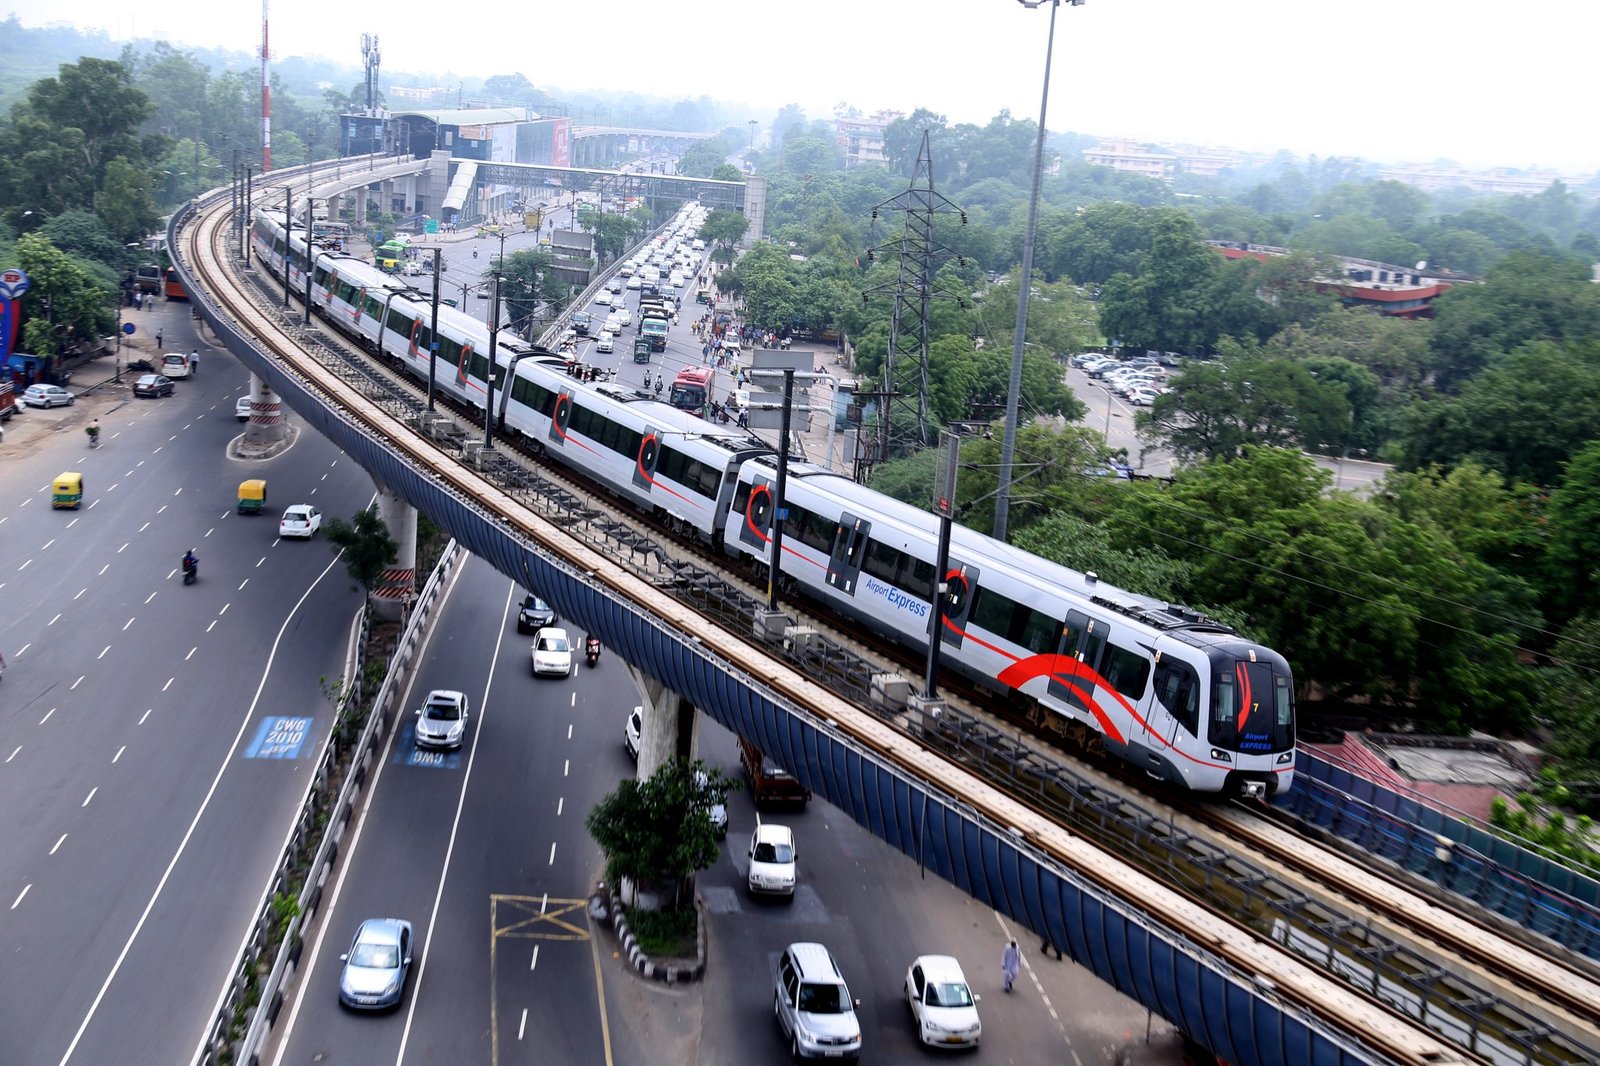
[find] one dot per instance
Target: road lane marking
(14, 754)
(122, 549)
(552, 853)
(569, 730)
(54, 620)
(24, 566)
(150, 597)
(560, 801)
(145, 715)
(522, 1026)
(144, 527)
(533, 964)
(566, 767)
(262, 559)
(224, 609)
(60, 842)
(90, 796)
(183, 845)
(242, 584)
(118, 755)
(17, 902)
(130, 621)
(168, 685)
(105, 649)
(212, 626)
(69, 524)
(186, 658)
(47, 544)
(78, 682)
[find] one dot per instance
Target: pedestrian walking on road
(194, 363)
(1011, 963)
(1046, 946)
(158, 338)
(138, 301)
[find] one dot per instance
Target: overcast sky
(1486, 84)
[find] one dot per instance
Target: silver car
(375, 967)
(813, 1005)
(442, 721)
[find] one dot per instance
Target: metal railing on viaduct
(1216, 1002)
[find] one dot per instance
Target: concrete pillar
(268, 422)
(671, 728)
(397, 586)
(386, 196)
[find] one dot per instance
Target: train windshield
(1253, 708)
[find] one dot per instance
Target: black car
(581, 321)
(535, 615)
(152, 385)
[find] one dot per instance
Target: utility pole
(494, 334)
(288, 231)
(433, 328)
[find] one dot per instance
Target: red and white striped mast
(266, 96)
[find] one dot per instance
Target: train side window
(1178, 688)
(816, 532)
(881, 562)
(916, 577)
(670, 464)
(741, 497)
(1033, 630)
(990, 611)
(1127, 671)
(1282, 699)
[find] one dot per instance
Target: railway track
(645, 571)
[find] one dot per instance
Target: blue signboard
(279, 738)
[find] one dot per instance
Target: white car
(442, 721)
(624, 316)
(772, 860)
(631, 731)
(606, 342)
(603, 298)
(634, 282)
(47, 396)
(1142, 397)
(944, 1007)
(175, 365)
(300, 520)
(552, 653)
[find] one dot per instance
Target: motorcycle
(191, 571)
(591, 649)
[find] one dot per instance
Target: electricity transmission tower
(904, 422)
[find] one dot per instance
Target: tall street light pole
(1008, 444)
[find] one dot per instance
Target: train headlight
(1286, 757)
(1221, 756)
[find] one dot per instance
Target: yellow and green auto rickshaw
(67, 490)
(252, 495)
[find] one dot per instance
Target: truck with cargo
(769, 782)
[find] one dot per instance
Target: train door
(1082, 639)
(960, 583)
(757, 515)
(849, 549)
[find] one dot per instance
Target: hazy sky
(1403, 80)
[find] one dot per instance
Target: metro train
(1160, 686)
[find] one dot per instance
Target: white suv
(813, 1005)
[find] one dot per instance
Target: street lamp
(1008, 446)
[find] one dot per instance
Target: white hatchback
(772, 860)
(300, 520)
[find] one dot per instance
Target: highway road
(485, 852)
(147, 791)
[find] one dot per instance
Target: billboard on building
(561, 143)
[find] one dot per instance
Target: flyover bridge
(1246, 998)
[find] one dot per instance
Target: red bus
(692, 389)
(172, 287)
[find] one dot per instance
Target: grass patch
(665, 934)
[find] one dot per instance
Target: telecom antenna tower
(905, 425)
(370, 61)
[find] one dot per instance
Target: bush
(668, 933)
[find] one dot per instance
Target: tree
(367, 546)
(1573, 556)
(81, 306)
(1528, 296)
(657, 833)
(724, 226)
(529, 288)
(1523, 418)
(1215, 411)
(1162, 307)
